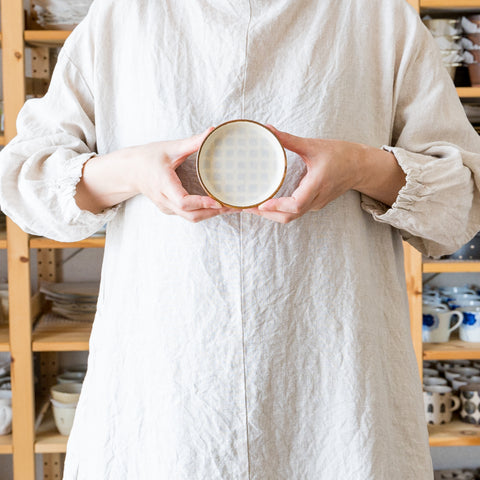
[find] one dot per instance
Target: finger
(181, 199)
(300, 200)
(278, 217)
(300, 145)
(179, 150)
(202, 214)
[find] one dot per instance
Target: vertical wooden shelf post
(413, 274)
(23, 435)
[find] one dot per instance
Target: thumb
(300, 145)
(179, 150)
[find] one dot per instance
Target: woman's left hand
(333, 168)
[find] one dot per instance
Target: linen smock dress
(238, 348)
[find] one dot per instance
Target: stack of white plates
(447, 32)
(60, 13)
(72, 300)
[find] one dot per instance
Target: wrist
(361, 168)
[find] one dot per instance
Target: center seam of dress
(243, 342)
(246, 56)
(241, 250)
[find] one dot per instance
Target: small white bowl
(71, 377)
(241, 164)
(66, 392)
(63, 414)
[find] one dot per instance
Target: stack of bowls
(64, 398)
(446, 32)
(471, 43)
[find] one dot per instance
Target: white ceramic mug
(439, 404)
(436, 323)
(5, 412)
(470, 327)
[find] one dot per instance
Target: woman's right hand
(150, 170)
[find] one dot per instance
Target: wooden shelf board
(4, 338)
(449, 4)
(6, 444)
(451, 266)
(454, 349)
(48, 438)
(46, 38)
(2, 140)
(92, 242)
(61, 337)
(455, 433)
(3, 239)
(468, 92)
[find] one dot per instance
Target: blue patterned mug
(470, 327)
(436, 323)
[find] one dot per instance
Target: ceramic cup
(439, 404)
(71, 377)
(430, 372)
(435, 381)
(63, 414)
(451, 291)
(66, 392)
(436, 323)
(455, 372)
(470, 398)
(461, 363)
(457, 382)
(5, 412)
(470, 327)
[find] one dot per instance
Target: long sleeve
(438, 209)
(41, 166)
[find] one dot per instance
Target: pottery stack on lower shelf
(64, 398)
(451, 386)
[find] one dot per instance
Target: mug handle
(460, 320)
(456, 403)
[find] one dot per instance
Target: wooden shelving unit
(451, 266)
(3, 240)
(45, 38)
(48, 439)
(6, 444)
(61, 337)
(456, 433)
(92, 242)
(450, 4)
(25, 338)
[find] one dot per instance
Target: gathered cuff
(408, 196)
(66, 187)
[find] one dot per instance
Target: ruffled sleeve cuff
(429, 212)
(407, 197)
(83, 223)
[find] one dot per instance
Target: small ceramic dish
(241, 164)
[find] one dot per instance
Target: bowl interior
(241, 164)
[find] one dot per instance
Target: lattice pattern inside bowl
(241, 164)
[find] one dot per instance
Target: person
(272, 342)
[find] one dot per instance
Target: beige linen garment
(238, 348)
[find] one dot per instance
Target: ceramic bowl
(71, 377)
(241, 164)
(66, 392)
